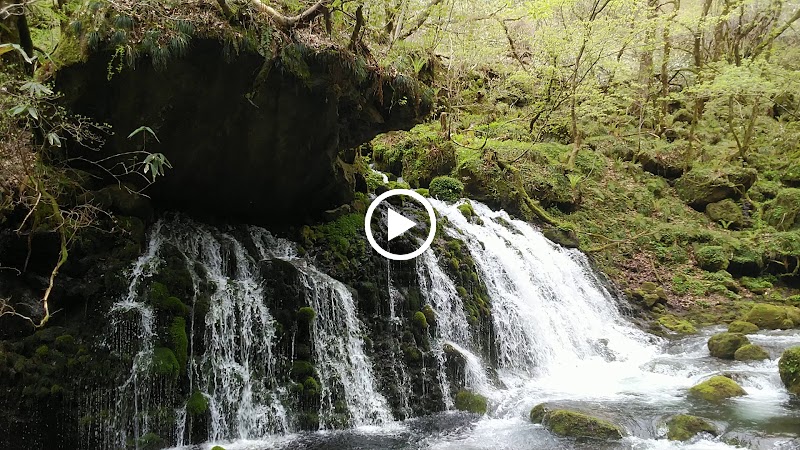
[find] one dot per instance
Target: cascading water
(558, 336)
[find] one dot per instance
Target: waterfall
(236, 371)
(550, 311)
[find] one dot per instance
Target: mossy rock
(769, 317)
(784, 212)
(470, 402)
(419, 320)
(430, 315)
(724, 345)
(306, 315)
(727, 212)
(683, 427)
(217, 447)
(466, 210)
(179, 341)
(677, 325)
(567, 423)
(422, 165)
(150, 441)
(750, 352)
(717, 388)
(712, 258)
(756, 285)
(564, 238)
(165, 363)
(789, 369)
(702, 186)
(302, 369)
(125, 201)
(446, 189)
(197, 404)
(743, 327)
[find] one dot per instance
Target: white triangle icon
(398, 224)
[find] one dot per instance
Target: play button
(398, 224)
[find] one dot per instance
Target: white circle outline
(418, 198)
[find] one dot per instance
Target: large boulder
(784, 212)
(741, 326)
(771, 317)
(789, 368)
(724, 345)
(726, 212)
(717, 388)
(750, 352)
(702, 186)
(269, 140)
(565, 422)
(682, 427)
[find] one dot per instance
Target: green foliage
(446, 188)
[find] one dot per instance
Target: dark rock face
(247, 139)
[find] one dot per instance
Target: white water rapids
(559, 336)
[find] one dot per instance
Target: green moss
(740, 326)
(419, 320)
(466, 210)
(724, 345)
(340, 238)
(150, 441)
(789, 368)
(750, 352)
(217, 447)
(311, 386)
(430, 315)
(42, 351)
(66, 343)
(161, 299)
(306, 314)
(579, 425)
(538, 413)
(717, 388)
(677, 325)
(783, 212)
(683, 427)
(423, 192)
(197, 404)
(301, 370)
(446, 188)
(756, 285)
(179, 341)
(422, 163)
(712, 258)
(165, 363)
(470, 402)
(726, 212)
(769, 317)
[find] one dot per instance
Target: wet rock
(750, 352)
(724, 345)
(789, 368)
(717, 388)
(564, 238)
(470, 402)
(565, 422)
(683, 427)
(741, 326)
(677, 325)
